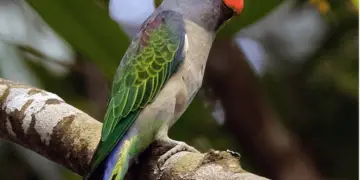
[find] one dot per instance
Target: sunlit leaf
(88, 28)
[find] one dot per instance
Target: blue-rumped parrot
(157, 79)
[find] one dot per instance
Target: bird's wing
(153, 56)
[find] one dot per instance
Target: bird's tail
(117, 163)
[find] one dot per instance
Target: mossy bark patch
(74, 143)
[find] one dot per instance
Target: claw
(233, 153)
(178, 146)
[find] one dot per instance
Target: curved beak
(235, 5)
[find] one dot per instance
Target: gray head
(209, 14)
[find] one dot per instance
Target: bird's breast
(182, 87)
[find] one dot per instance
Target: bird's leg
(179, 104)
(177, 146)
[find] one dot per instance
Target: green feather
(144, 70)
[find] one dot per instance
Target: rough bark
(45, 123)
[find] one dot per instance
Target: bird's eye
(236, 5)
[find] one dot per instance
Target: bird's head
(210, 14)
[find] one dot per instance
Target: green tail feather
(102, 152)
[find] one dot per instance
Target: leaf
(88, 28)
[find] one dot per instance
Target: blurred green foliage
(88, 28)
(318, 102)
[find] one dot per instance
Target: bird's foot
(233, 153)
(178, 146)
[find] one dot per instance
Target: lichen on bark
(43, 122)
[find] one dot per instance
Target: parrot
(158, 77)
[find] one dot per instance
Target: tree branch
(45, 123)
